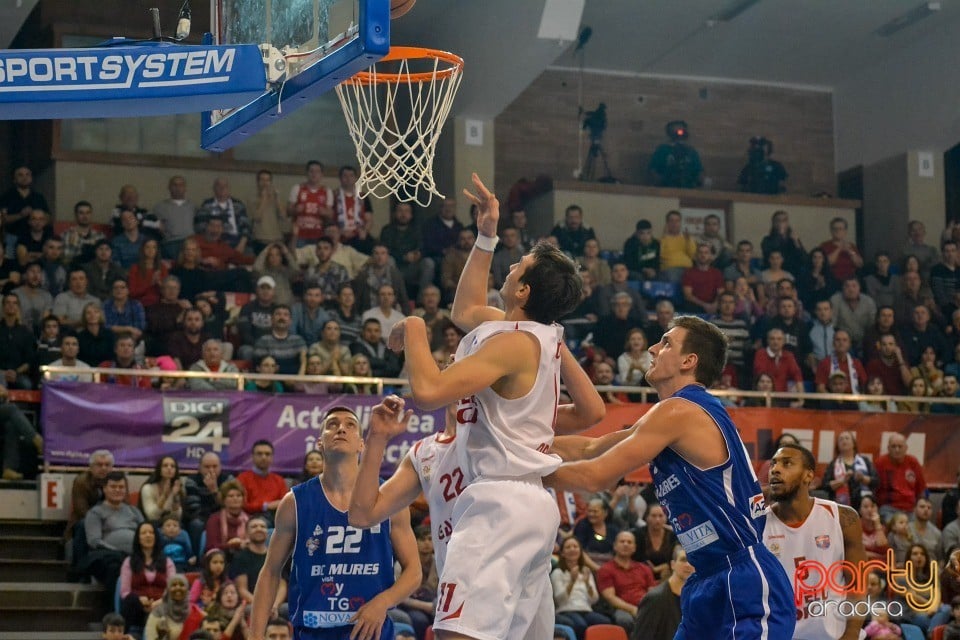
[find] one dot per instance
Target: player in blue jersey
(341, 577)
(706, 484)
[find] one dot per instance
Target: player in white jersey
(506, 376)
(432, 466)
(811, 537)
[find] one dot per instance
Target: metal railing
(645, 393)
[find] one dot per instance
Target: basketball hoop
(396, 144)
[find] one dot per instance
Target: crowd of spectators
(324, 289)
(313, 266)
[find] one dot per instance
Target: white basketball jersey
(503, 439)
(820, 539)
(435, 460)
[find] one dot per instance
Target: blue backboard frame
(371, 44)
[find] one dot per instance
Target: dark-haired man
(706, 485)
(80, 239)
(809, 536)
(102, 271)
(287, 348)
(264, 489)
(505, 376)
(35, 301)
(31, 239)
(110, 528)
(16, 204)
(69, 305)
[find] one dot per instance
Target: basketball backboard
(308, 47)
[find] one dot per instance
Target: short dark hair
(340, 408)
(81, 203)
(262, 443)
(277, 307)
(116, 476)
(122, 335)
(840, 220)
(555, 285)
(310, 163)
(278, 622)
(348, 167)
(325, 240)
(113, 620)
(809, 462)
(200, 634)
(708, 342)
(370, 321)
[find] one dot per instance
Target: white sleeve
(294, 193)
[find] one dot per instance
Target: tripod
(587, 174)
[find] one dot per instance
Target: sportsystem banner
(140, 426)
(128, 78)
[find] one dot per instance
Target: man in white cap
(256, 317)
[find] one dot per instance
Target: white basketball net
(396, 151)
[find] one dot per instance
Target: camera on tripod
(596, 122)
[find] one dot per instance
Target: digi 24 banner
(139, 426)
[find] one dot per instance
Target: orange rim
(411, 53)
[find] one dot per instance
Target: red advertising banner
(933, 439)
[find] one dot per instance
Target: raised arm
(368, 620)
(659, 428)
(514, 353)
(281, 544)
(587, 408)
(854, 553)
(371, 502)
(470, 302)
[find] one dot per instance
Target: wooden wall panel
(538, 132)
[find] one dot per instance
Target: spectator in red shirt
(623, 581)
(264, 489)
(216, 253)
(842, 255)
(890, 366)
(779, 364)
(842, 361)
(702, 283)
(900, 478)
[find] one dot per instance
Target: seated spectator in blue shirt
(124, 314)
(175, 542)
(126, 244)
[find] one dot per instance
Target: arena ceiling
(821, 43)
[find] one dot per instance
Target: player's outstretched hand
(368, 620)
(388, 419)
(488, 207)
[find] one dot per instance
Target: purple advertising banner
(139, 425)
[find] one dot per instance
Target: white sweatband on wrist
(486, 243)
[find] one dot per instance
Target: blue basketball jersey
(714, 512)
(335, 568)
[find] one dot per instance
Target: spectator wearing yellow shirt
(677, 249)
